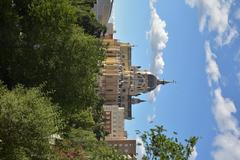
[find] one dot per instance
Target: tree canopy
(46, 45)
(159, 146)
(27, 120)
(52, 44)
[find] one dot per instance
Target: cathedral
(120, 84)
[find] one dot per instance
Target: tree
(53, 44)
(160, 147)
(86, 18)
(82, 145)
(50, 48)
(82, 119)
(27, 120)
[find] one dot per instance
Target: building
(114, 122)
(103, 10)
(121, 83)
(128, 147)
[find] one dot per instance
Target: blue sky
(198, 41)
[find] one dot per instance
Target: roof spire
(163, 82)
(136, 101)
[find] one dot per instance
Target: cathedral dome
(152, 82)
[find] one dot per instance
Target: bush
(27, 119)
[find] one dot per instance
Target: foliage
(82, 119)
(82, 144)
(46, 46)
(27, 119)
(98, 128)
(53, 44)
(160, 147)
(86, 18)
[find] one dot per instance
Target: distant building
(121, 82)
(119, 85)
(103, 10)
(114, 122)
(127, 147)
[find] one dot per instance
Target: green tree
(160, 147)
(82, 145)
(82, 119)
(52, 43)
(27, 119)
(50, 49)
(86, 18)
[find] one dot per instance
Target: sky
(195, 43)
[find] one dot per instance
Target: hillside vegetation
(50, 57)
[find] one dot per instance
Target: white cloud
(152, 95)
(227, 142)
(215, 15)
(158, 38)
(227, 37)
(237, 14)
(212, 67)
(227, 147)
(223, 111)
(194, 154)
(151, 118)
(140, 148)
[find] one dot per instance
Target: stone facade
(128, 147)
(114, 122)
(120, 83)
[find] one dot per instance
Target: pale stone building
(126, 146)
(114, 122)
(121, 83)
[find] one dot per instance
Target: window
(107, 113)
(107, 76)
